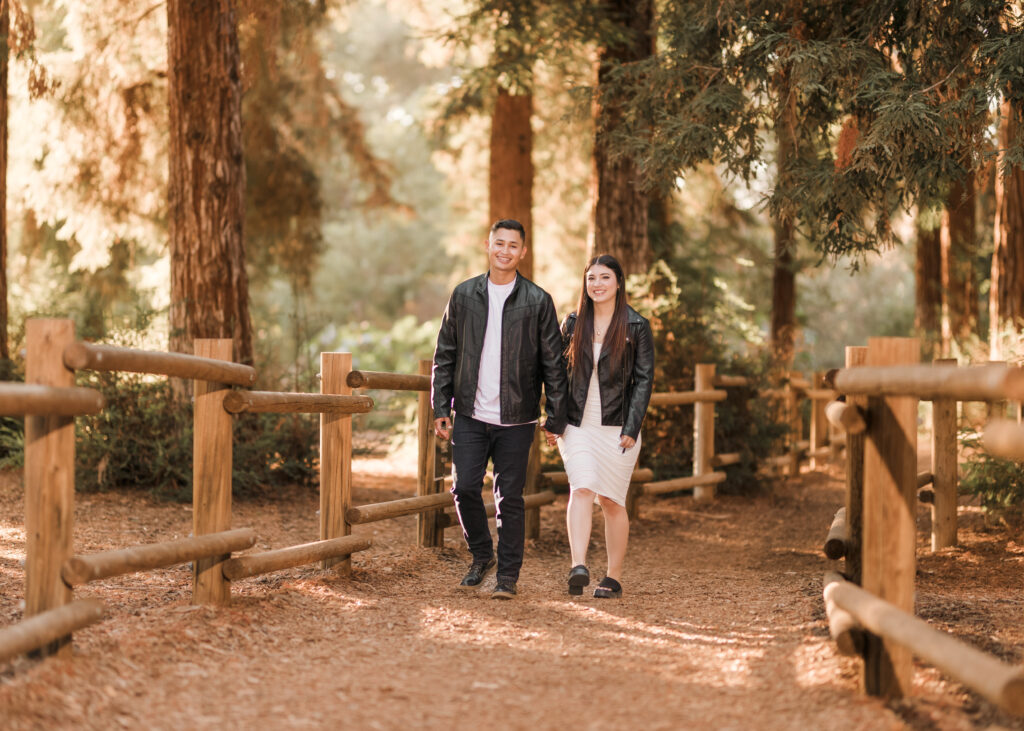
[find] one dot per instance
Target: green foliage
(688, 331)
(997, 483)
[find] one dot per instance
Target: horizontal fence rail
(278, 559)
(1004, 439)
(24, 399)
(990, 382)
(537, 499)
(678, 398)
(79, 570)
(273, 402)
(993, 679)
(90, 356)
(561, 479)
(388, 381)
(49, 626)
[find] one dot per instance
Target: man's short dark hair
(512, 225)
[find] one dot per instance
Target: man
(499, 341)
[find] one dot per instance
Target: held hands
(626, 442)
(443, 427)
(552, 439)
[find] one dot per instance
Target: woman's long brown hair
(582, 340)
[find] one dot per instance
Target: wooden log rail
(683, 483)
(561, 479)
(90, 356)
(388, 381)
(23, 399)
(991, 678)
(241, 567)
(1004, 439)
(424, 503)
(838, 536)
(272, 402)
(79, 570)
(678, 398)
(530, 502)
(48, 627)
(990, 382)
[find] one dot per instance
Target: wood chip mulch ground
(721, 625)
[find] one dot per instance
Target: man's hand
(443, 428)
(552, 439)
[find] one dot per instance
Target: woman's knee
(581, 493)
(611, 507)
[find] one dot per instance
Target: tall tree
(928, 281)
(5, 52)
(209, 284)
(510, 176)
(959, 251)
(1006, 293)
(620, 205)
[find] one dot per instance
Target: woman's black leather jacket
(625, 389)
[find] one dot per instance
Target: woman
(606, 407)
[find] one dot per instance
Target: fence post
(855, 356)
(944, 468)
(428, 525)
(335, 458)
(890, 505)
(796, 424)
(211, 474)
(703, 429)
(49, 477)
(819, 424)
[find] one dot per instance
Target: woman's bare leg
(616, 535)
(579, 518)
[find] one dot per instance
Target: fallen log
(49, 626)
(79, 570)
(991, 678)
(254, 564)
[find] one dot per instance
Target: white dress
(591, 452)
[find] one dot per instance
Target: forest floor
(721, 625)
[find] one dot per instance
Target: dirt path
(721, 627)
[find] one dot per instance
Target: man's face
(505, 249)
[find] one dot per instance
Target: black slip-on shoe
(608, 589)
(578, 578)
(477, 571)
(504, 589)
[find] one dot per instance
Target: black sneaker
(504, 589)
(477, 571)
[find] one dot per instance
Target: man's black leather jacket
(626, 389)
(531, 354)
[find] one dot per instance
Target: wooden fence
(870, 609)
(49, 401)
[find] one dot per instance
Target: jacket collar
(480, 283)
(632, 316)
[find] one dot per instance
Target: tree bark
(619, 215)
(5, 54)
(928, 285)
(209, 284)
(511, 166)
(1006, 296)
(783, 321)
(959, 249)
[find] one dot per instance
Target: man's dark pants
(473, 443)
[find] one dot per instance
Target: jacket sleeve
(443, 372)
(556, 390)
(643, 382)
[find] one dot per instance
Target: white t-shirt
(487, 406)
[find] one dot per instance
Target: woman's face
(601, 284)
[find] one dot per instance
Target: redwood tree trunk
(959, 249)
(783, 323)
(511, 166)
(1006, 296)
(209, 284)
(928, 285)
(619, 216)
(5, 27)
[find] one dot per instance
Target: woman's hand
(552, 439)
(626, 442)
